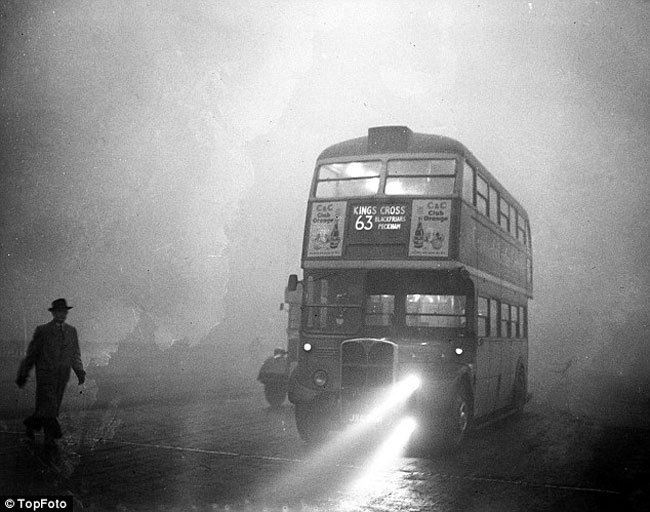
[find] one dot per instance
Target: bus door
(510, 351)
(487, 358)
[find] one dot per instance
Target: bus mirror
(293, 283)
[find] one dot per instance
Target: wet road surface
(230, 451)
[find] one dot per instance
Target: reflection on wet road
(235, 453)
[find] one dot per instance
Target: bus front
(387, 324)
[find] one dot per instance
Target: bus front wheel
(275, 393)
(459, 418)
(311, 422)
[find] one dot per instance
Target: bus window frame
(318, 303)
(490, 206)
(317, 180)
(463, 318)
(505, 322)
(504, 217)
(514, 213)
(521, 229)
(468, 192)
(495, 323)
(390, 315)
(493, 213)
(514, 310)
(484, 208)
(485, 318)
(420, 178)
(383, 175)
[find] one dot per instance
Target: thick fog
(156, 157)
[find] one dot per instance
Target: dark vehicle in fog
(274, 375)
(417, 271)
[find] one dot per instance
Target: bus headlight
(307, 347)
(409, 385)
(409, 425)
(402, 391)
(319, 378)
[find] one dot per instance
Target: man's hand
(20, 381)
(81, 377)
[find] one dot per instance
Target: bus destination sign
(430, 228)
(326, 229)
(378, 223)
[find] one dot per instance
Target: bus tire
(275, 393)
(458, 418)
(519, 391)
(311, 422)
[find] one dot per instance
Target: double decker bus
(417, 263)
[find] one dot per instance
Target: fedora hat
(59, 304)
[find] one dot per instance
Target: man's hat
(59, 304)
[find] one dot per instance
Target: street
(231, 451)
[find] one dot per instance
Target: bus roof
(392, 139)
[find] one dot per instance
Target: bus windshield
(333, 302)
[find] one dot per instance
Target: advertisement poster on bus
(326, 229)
(430, 228)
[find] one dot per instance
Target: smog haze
(156, 156)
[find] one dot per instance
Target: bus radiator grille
(367, 368)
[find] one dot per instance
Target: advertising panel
(430, 228)
(497, 255)
(326, 229)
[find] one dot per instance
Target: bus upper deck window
(446, 167)
(468, 183)
(494, 204)
(421, 177)
(348, 179)
(504, 214)
(482, 197)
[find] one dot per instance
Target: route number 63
(363, 223)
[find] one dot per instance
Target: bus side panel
(496, 367)
(467, 252)
(484, 390)
(486, 247)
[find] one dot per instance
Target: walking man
(54, 349)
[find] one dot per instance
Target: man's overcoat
(54, 349)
